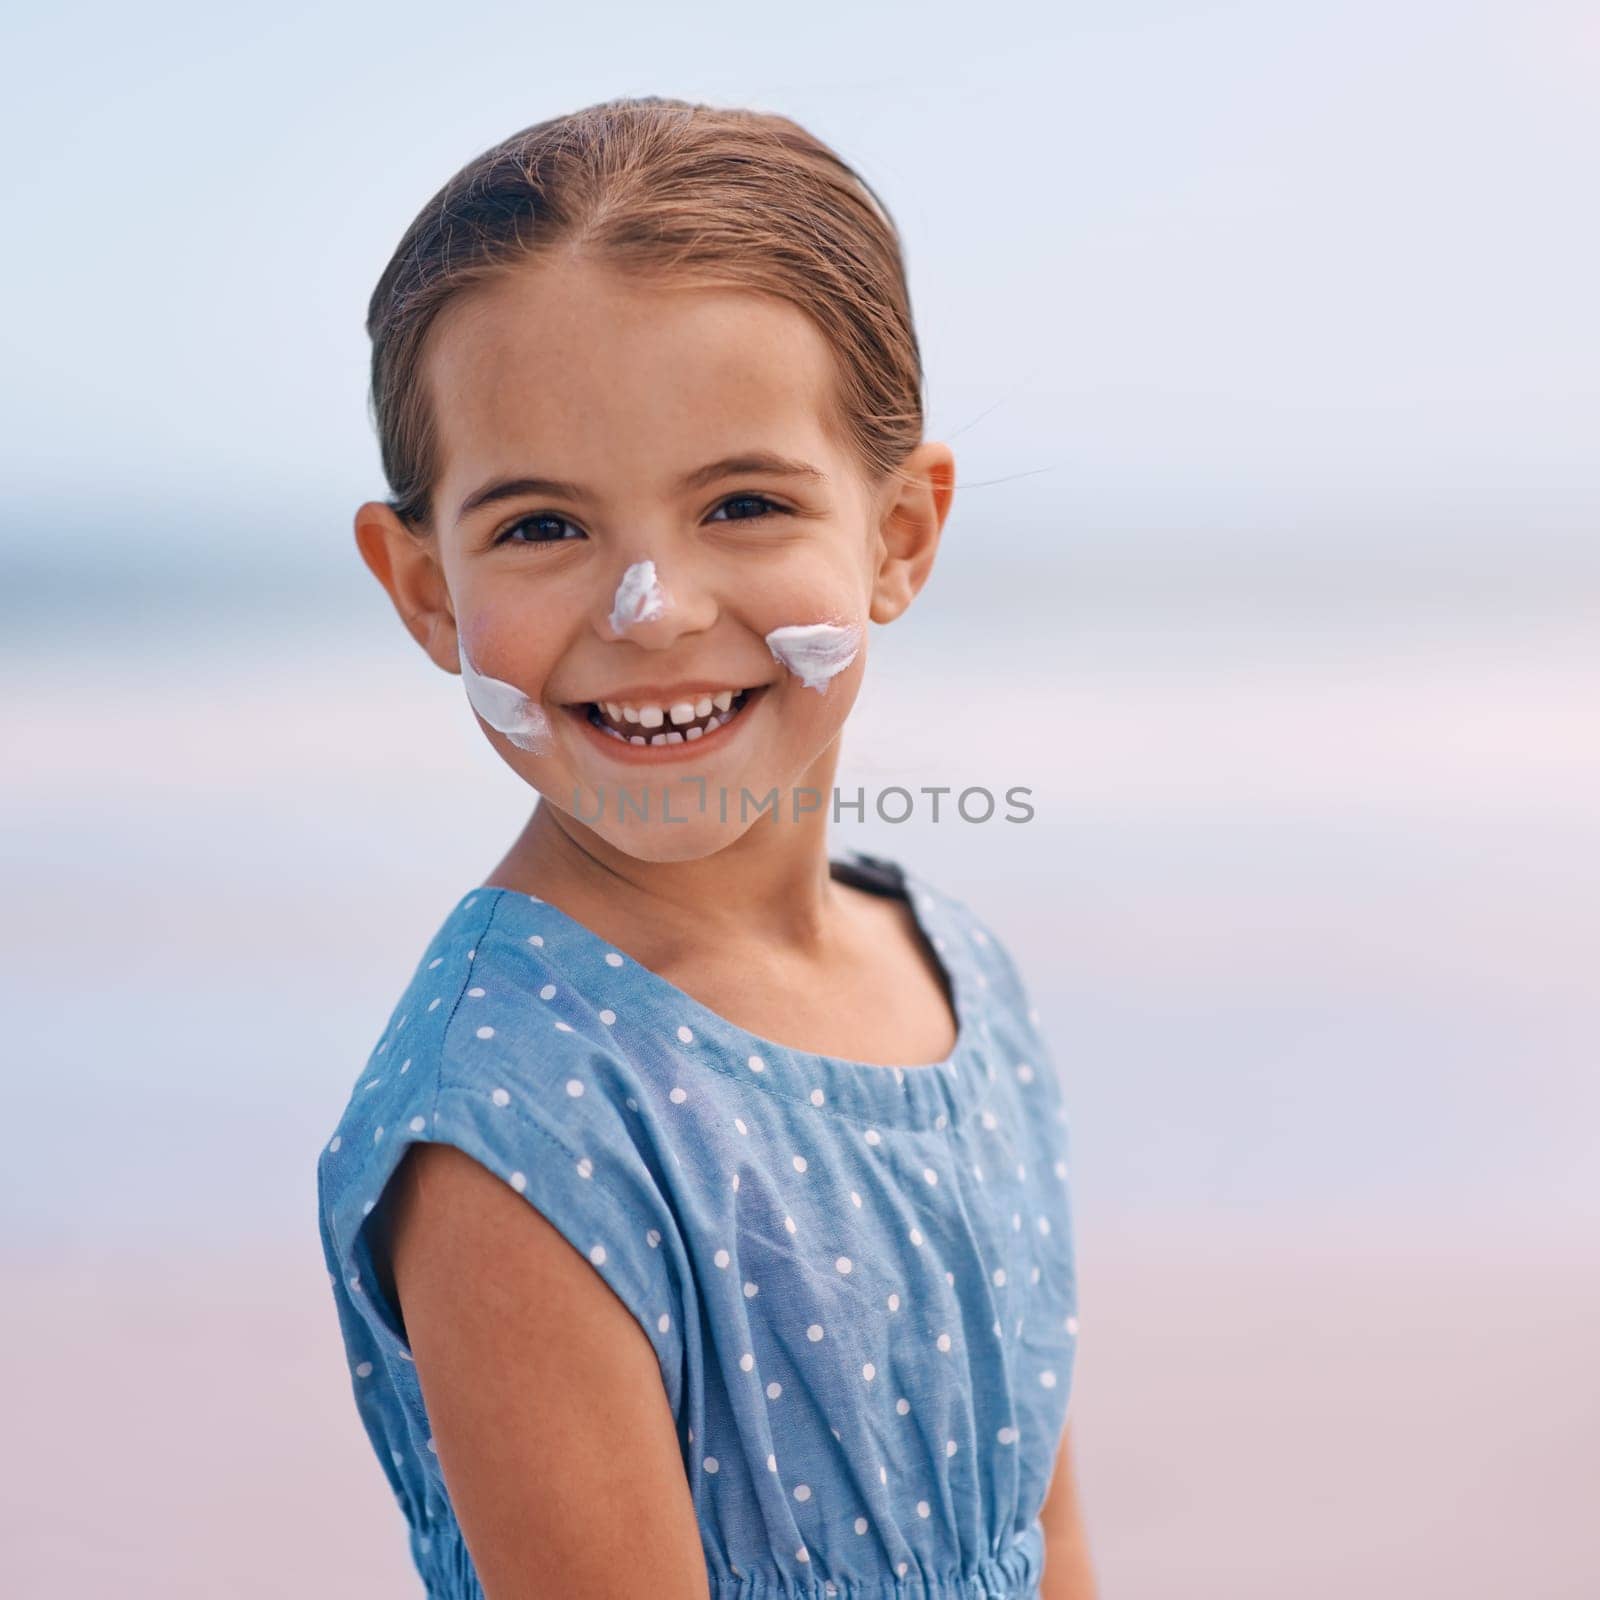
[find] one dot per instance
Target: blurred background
(1266, 339)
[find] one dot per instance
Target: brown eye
(537, 534)
(765, 506)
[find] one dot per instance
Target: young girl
(699, 1224)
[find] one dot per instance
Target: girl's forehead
(571, 372)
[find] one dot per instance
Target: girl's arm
(553, 1429)
(1067, 1572)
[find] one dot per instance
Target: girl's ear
(909, 527)
(407, 566)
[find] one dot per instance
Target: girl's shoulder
(502, 980)
(995, 969)
(499, 1014)
(499, 1047)
(974, 950)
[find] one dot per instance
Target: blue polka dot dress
(858, 1279)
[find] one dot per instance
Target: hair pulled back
(678, 193)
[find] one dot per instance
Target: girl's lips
(656, 754)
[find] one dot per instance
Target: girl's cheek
(504, 706)
(815, 652)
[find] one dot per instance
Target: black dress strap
(875, 873)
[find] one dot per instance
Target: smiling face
(659, 558)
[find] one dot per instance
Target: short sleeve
(547, 1113)
(581, 1166)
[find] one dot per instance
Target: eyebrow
(764, 461)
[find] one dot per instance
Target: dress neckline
(931, 1094)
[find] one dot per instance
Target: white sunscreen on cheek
(505, 707)
(639, 597)
(815, 651)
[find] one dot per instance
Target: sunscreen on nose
(815, 651)
(505, 707)
(639, 597)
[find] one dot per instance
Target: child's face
(640, 577)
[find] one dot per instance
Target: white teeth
(711, 710)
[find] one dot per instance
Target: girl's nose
(653, 610)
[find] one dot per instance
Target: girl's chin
(690, 836)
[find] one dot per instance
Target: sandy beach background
(1327, 1043)
(1284, 1418)
(1265, 338)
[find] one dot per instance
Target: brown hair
(684, 193)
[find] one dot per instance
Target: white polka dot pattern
(822, 1227)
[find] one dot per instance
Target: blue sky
(1303, 286)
